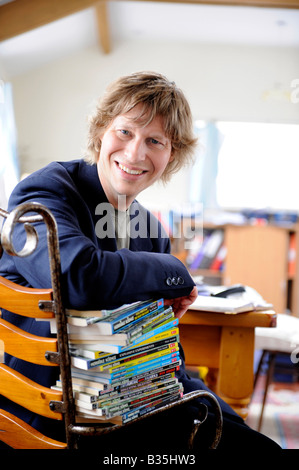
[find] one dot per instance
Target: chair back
(39, 304)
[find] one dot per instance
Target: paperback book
(114, 322)
(92, 350)
(102, 385)
(130, 338)
(123, 362)
(87, 359)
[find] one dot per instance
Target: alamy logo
(136, 222)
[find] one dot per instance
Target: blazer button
(175, 281)
(169, 281)
(181, 280)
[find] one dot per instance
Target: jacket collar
(93, 193)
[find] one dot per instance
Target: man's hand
(181, 304)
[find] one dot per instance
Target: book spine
(172, 332)
(155, 331)
(153, 364)
(142, 359)
(140, 388)
(124, 308)
(105, 363)
(113, 323)
(149, 321)
(218, 261)
(146, 376)
(136, 403)
(135, 316)
(144, 328)
(137, 413)
(198, 258)
(106, 358)
(109, 383)
(132, 399)
(130, 373)
(214, 243)
(292, 255)
(83, 363)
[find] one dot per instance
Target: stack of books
(123, 361)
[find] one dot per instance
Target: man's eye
(156, 142)
(122, 133)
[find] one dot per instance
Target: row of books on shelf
(210, 251)
(123, 361)
(292, 255)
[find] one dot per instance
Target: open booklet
(229, 299)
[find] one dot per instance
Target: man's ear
(171, 158)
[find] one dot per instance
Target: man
(141, 132)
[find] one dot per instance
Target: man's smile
(130, 171)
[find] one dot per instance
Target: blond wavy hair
(160, 97)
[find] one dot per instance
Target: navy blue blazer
(94, 273)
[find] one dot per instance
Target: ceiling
(151, 21)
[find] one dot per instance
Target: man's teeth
(131, 172)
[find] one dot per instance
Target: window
(9, 172)
(254, 166)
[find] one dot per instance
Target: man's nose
(135, 150)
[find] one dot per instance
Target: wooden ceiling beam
(101, 12)
(247, 3)
(20, 16)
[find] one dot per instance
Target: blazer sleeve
(92, 276)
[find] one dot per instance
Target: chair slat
(26, 346)
(19, 435)
(27, 393)
(23, 300)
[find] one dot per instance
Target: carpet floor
(281, 412)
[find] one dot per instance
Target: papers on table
(238, 300)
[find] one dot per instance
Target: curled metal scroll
(7, 231)
(45, 215)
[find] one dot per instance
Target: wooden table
(225, 343)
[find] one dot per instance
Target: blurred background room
(238, 64)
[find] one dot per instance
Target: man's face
(132, 157)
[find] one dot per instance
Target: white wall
(221, 82)
(2, 71)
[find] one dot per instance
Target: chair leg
(257, 374)
(271, 363)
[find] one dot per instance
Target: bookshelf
(261, 256)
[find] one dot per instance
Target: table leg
(235, 379)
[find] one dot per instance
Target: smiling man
(142, 131)
(133, 155)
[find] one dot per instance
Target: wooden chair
(52, 352)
